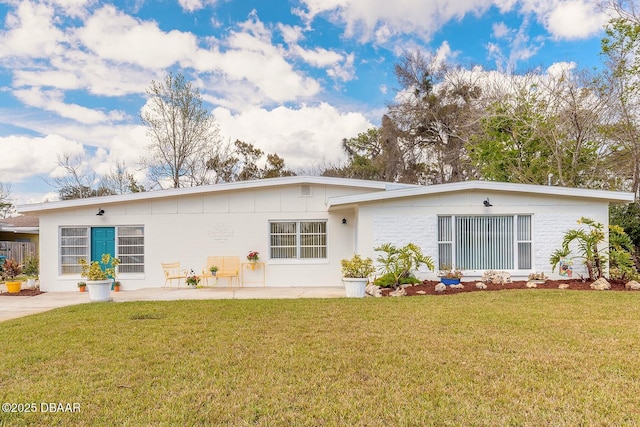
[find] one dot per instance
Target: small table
(252, 266)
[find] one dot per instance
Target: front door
(103, 241)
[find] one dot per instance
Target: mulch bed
(23, 293)
(428, 287)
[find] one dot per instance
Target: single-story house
(302, 227)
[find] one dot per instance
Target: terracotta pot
(116, 288)
(82, 288)
(13, 287)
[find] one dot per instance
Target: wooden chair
(172, 272)
(228, 268)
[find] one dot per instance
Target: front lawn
(531, 357)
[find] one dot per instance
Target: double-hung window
(501, 242)
(298, 239)
(130, 249)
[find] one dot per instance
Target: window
(298, 239)
(485, 242)
(130, 249)
(74, 244)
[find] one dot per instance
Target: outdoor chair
(172, 272)
(228, 268)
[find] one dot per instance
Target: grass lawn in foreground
(531, 357)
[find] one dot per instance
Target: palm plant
(400, 262)
(588, 242)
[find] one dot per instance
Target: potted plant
(10, 270)
(99, 276)
(82, 286)
(116, 286)
(448, 276)
(253, 258)
(192, 279)
(355, 275)
(214, 270)
(31, 269)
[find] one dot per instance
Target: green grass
(522, 358)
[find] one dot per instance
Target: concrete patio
(12, 307)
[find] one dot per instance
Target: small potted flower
(355, 275)
(192, 279)
(253, 258)
(449, 276)
(82, 286)
(214, 270)
(116, 286)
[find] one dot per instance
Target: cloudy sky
(289, 76)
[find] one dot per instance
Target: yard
(527, 357)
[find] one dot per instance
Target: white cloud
(575, 19)
(304, 137)
(30, 32)
(23, 157)
(115, 36)
(500, 30)
(51, 100)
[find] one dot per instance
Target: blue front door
(103, 241)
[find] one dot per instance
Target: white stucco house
(303, 226)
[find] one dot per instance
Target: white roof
(203, 189)
(609, 196)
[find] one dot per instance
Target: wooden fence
(18, 250)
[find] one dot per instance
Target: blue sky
(292, 77)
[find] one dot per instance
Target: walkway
(12, 307)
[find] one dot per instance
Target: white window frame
(63, 258)
(521, 235)
(298, 246)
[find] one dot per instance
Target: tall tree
(77, 180)
(184, 135)
(621, 49)
(435, 115)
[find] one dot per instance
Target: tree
(621, 47)
(6, 207)
(184, 135)
(120, 181)
(436, 114)
(78, 180)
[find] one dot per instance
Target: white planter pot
(31, 283)
(355, 287)
(99, 290)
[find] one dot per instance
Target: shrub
(357, 267)
(389, 281)
(400, 262)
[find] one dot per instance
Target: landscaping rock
(481, 285)
(373, 290)
(421, 292)
(398, 293)
(496, 277)
(600, 285)
(440, 287)
(457, 286)
(563, 286)
(632, 286)
(531, 285)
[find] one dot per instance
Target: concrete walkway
(12, 307)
